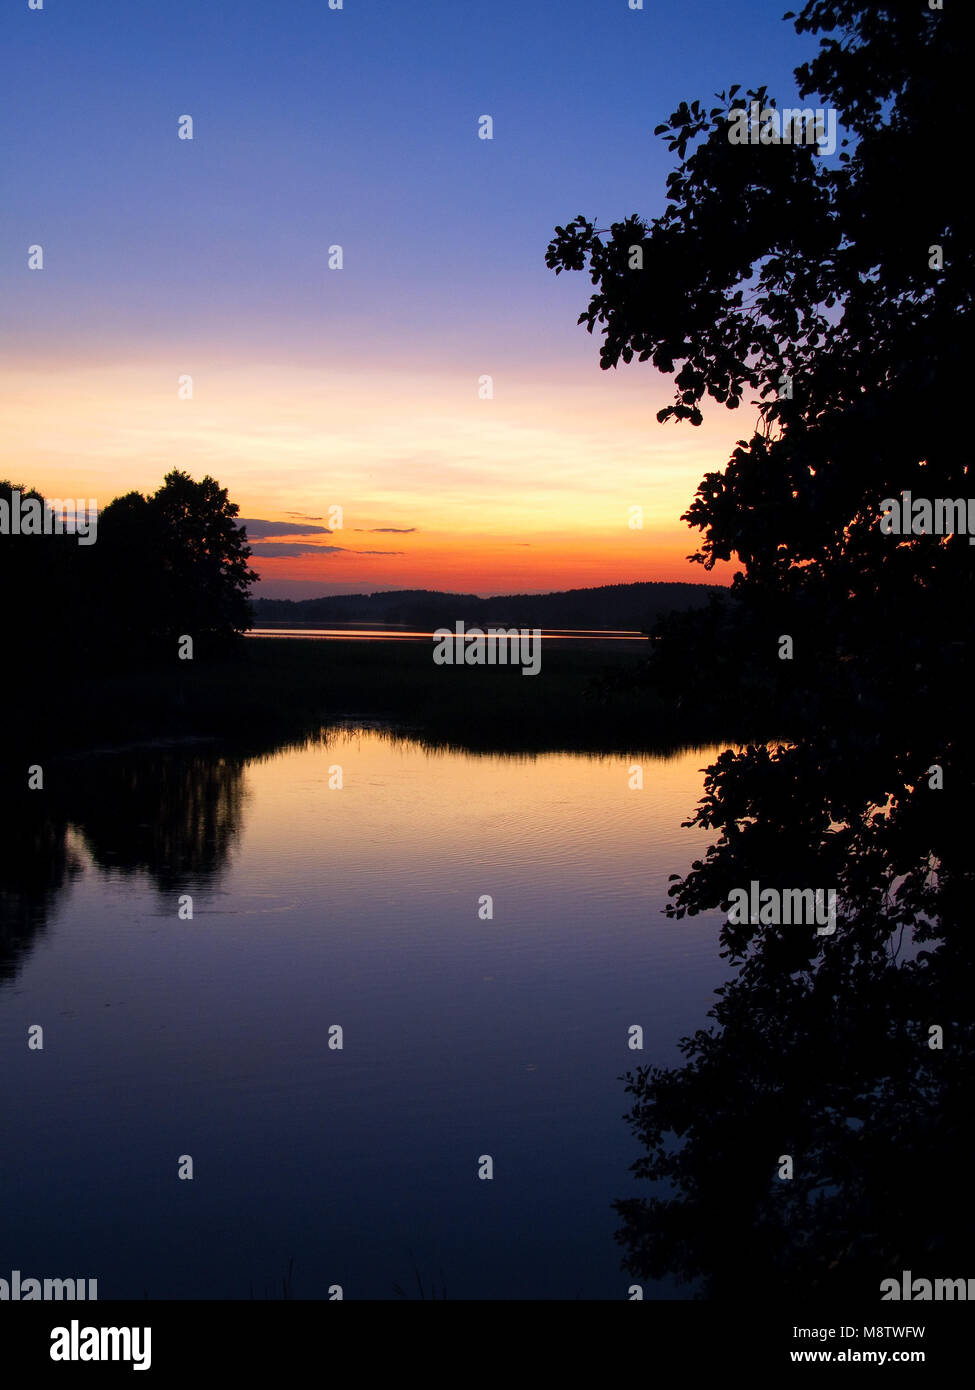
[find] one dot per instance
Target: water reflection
(823, 1049)
(818, 1047)
(358, 906)
(36, 864)
(171, 816)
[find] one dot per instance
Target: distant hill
(630, 606)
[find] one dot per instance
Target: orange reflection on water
(383, 635)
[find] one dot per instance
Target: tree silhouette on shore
(837, 294)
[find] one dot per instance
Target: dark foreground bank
(272, 689)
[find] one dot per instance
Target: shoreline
(276, 691)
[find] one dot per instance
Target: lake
(363, 906)
(399, 632)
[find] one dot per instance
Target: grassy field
(279, 690)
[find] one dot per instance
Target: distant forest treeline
(634, 607)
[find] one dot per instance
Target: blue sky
(357, 127)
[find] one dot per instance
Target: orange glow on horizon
(484, 566)
(532, 491)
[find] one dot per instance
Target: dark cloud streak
(263, 529)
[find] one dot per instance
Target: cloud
(387, 530)
(279, 549)
(293, 548)
(256, 527)
(304, 516)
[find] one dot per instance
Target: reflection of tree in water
(821, 1049)
(850, 624)
(36, 863)
(173, 816)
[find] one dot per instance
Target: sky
(356, 388)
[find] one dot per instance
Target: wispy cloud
(258, 528)
(293, 548)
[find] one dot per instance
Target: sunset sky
(357, 388)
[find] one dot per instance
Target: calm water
(399, 633)
(358, 906)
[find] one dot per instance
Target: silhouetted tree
(770, 263)
(174, 563)
(43, 578)
(842, 293)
